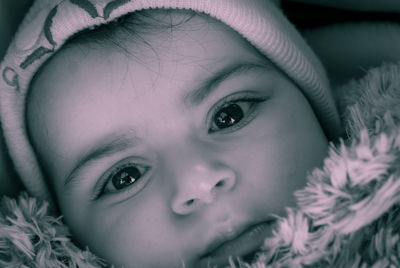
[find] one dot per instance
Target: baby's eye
(233, 115)
(228, 115)
(124, 177)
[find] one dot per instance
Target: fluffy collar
(346, 216)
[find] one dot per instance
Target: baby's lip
(237, 239)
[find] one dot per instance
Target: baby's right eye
(125, 176)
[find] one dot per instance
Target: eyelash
(252, 99)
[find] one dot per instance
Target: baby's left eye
(228, 115)
(233, 114)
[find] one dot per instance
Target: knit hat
(49, 23)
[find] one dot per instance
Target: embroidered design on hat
(40, 51)
(83, 4)
(37, 54)
(47, 26)
(86, 5)
(111, 6)
(10, 76)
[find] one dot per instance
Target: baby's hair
(128, 28)
(132, 28)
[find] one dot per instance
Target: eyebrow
(102, 149)
(198, 95)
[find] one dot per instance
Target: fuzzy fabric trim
(346, 216)
(31, 237)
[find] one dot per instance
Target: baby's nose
(201, 187)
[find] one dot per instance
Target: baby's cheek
(136, 230)
(278, 154)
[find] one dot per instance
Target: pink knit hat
(49, 23)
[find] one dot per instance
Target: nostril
(202, 190)
(220, 184)
(190, 202)
(225, 183)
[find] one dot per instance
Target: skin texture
(198, 179)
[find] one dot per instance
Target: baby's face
(178, 154)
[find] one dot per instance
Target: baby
(167, 133)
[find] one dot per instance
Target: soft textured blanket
(347, 215)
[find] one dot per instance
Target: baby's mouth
(242, 242)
